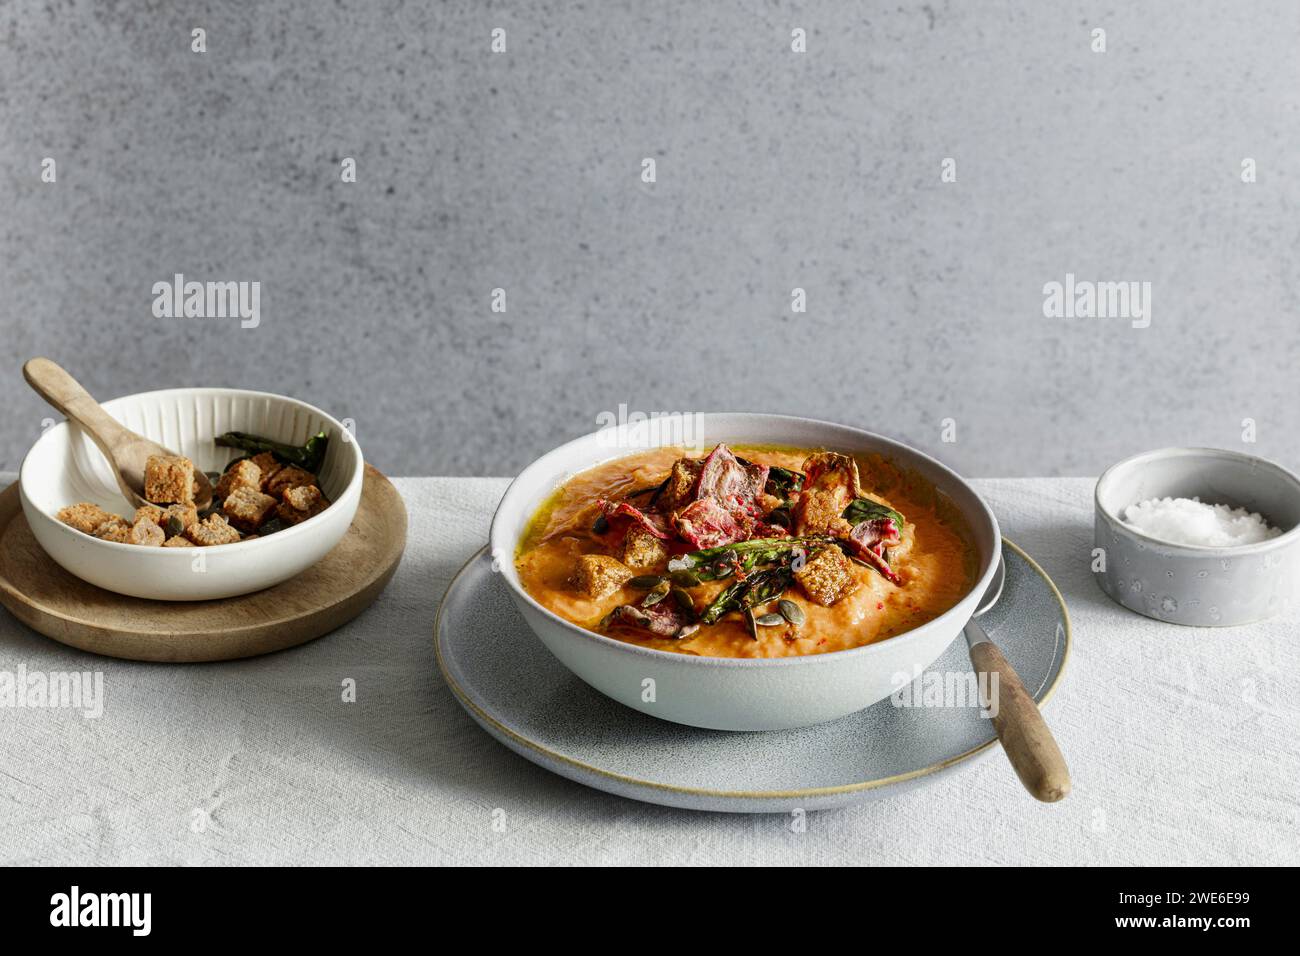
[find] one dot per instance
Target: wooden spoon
(125, 450)
(1029, 745)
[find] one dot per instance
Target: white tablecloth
(1182, 745)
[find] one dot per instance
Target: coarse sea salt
(1192, 521)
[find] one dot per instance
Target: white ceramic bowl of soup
(65, 467)
(733, 693)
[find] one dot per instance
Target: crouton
(168, 478)
(180, 541)
(269, 467)
(641, 549)
(242, 474)
(177, 518)
(114, 529)
(301, 503)
(303, 497)
(247, 508)
(84, 516)
(212, 530)
(681, 484)
(829, 469)
(152, 512)
(832, 483)
(146, 532)
(597, 575)
(821, 512)
(288, 477)
(827, 577)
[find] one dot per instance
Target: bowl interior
(701, 433)
(65, 466)
(1214, 476)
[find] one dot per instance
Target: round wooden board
(343, 584)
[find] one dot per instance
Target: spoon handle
(65, 393)
(52, 382)
(1029, 745)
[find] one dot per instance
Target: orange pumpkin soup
(747, 552)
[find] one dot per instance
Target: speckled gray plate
(520, 694)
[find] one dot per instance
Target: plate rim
(809, 792)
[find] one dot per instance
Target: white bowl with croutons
(741, 693)
(65, 468)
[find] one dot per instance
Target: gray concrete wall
(775, 171)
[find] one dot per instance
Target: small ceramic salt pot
(1190, 584)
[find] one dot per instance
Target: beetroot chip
(666, 619)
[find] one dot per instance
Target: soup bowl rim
(503, 546)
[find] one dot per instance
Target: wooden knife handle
(1028, 743)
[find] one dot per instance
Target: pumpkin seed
(656, 595)
(683, 601)
(753, 625)
(685, 631)
(645, 582)
(769, 620)
(684, 578)
(790, 611)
